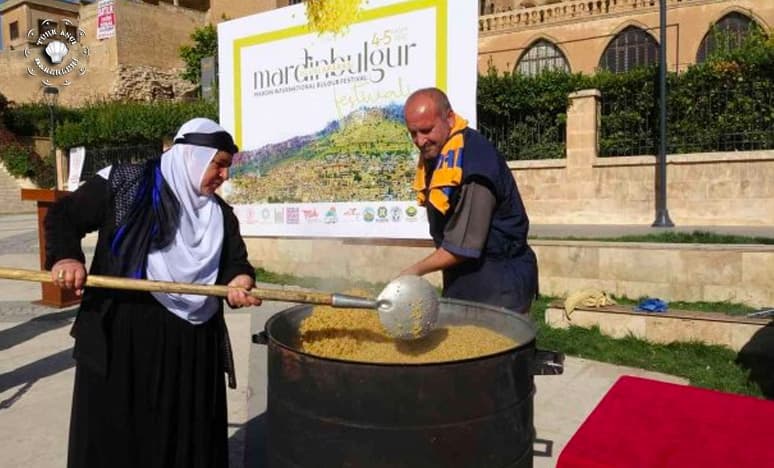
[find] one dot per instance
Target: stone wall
(702, 189)
(582, 29)
(675, 272)
(151, 35)
(337, 258)
(232, 9)
(144, 83)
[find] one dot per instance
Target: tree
(205, 44)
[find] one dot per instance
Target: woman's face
(216, 173)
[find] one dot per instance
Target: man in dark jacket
(476, 215)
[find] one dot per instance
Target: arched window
(541, 56)
(630, 49)
(731, 30)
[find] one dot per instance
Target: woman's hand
(237, 294)
(69, 273)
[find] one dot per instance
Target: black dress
(149, 386)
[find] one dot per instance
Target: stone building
(142, 60)
(18, 17)
(583, 35)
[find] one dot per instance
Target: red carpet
(647, 423)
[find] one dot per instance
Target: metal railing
(627, 129)
(568, 11)
(527, 138)
(99, 158)
(738, 117)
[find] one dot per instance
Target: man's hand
(237, 294)
(440, 259)
(69, 273)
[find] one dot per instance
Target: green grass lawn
(324, 284)
(730, 308)
(705, 366)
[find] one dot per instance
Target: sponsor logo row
(332, 215)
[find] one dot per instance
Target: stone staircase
(10, 195)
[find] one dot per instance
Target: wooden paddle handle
(112, 282)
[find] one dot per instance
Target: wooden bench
(660, 327)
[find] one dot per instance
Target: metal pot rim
(526, 321)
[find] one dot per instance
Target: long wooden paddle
(112, 282)
(407, 307)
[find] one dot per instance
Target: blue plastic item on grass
(652, 304)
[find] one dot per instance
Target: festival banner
(319, 117)
(106, 19)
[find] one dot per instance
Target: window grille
(631, 48)
(99, 158)
(542, 56)
(732, 29)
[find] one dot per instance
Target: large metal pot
(475, 412)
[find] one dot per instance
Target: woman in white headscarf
(149, 381)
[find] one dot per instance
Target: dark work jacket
(505, 274)
(92, 208)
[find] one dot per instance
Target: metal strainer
(407, 306)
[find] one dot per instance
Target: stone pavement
(36, 373)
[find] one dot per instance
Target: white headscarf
(194, 255)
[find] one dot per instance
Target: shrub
(525, 115)
(21, 161)
(43, 171)
(723, 104)
(205, 44)
(17, 160)
(129, 123)
(34, 119)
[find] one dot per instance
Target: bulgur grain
(357, 335)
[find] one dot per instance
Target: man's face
(216, 173)
(428, 127)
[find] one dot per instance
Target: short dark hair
(439, 98)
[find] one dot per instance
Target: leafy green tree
(205, 44)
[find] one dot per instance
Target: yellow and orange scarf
(447, 173)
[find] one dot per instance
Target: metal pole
(662, 214)
(51, 131)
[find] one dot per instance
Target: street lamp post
(662, 214)
(51, 93)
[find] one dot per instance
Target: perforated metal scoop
(407, 307)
